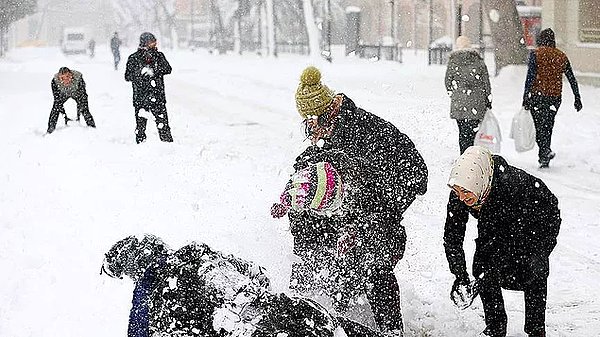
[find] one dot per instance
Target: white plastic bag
(522, 130)
(489, 135)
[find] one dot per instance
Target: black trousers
(467, 129)
(495, 314)
(116, 58)
(81, 98)
(384, 299)
(159, 111)
(544, 109)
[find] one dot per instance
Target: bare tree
(11, 11)
(507, 33)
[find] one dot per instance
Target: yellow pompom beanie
(312, 97)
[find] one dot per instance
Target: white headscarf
(473, 171)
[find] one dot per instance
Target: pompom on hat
(318, 188)
(312, 97)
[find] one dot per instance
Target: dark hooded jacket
(468, 83)
(196, 291)
(517, 228)
(147, 89)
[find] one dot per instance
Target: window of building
(589, 21)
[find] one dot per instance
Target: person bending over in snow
(196, 291)
(67, 84)
(397, 172)
(518, 222)
(145, 70)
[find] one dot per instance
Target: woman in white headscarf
(518, 222)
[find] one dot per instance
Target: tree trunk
(270, 22)
(507, 33)
(311, 29)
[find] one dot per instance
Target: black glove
(460, 281)
(464, 292)
(578, 105)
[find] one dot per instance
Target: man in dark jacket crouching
(67, 84)
(518, 222)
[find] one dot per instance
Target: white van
(74, 41)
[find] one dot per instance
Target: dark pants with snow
(467, 129)
(544, 109)
(384, 299)
(159, 111)
(81, 98)
(495, 314)
(116, 58)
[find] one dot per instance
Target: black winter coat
(147, 89)
(517, 229)
(394, 165)
(380, 236)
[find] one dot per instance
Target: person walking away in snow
(543, 90)
(343, 241)
(398, 172)
(518, 223)
(197, 291)
(468, 85)
(145, 70)
(115, 45)
(67, 84)
(92, 47)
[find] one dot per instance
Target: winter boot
(489, 333)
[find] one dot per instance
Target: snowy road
(67, 197)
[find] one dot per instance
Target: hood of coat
(465, 57)
(132, 256)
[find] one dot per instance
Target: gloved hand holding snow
(148, 71)
(463, 294)
(278, 210)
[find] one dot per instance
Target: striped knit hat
(318, 188)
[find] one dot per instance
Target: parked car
(74, 41)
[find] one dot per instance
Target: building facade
(576, 24)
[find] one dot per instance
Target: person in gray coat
(468, 85)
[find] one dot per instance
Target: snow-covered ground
(67, 197)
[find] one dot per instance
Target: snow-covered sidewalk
(67, 197)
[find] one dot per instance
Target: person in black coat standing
(396, 172)
(145, 70)
(518, 223)
(67, 84)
